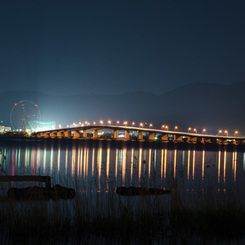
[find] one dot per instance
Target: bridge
(136, 133)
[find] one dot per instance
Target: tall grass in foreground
(180, 215)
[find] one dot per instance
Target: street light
(226, 132)
(236, 133)
(166, 127)
(109, 122)
(94, 123)
(141, 125)
(125, 123)
(101, 122)
(163, 126)
(150, 125)
(204, 130)
(189, 129)
(60, 126)
(195, 130)
(176, 128)
(133, 123)
(118, 122)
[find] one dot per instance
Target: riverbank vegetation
(184, 215)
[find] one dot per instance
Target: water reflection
(106, 167)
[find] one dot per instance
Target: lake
(101, 165)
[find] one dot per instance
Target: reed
(183, 214)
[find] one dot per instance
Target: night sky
(110, 47)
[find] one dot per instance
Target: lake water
(100, 166)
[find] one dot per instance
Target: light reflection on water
(104, 166)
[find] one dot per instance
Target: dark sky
(118, 46)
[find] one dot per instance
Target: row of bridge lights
(166, 127)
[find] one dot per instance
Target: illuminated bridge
(136, 133)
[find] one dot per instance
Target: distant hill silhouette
(197, 105)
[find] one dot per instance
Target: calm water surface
(104, 165)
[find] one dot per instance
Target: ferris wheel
(25, 116)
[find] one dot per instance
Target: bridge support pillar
(178, 138)
(126, 135)
(225, 142)
(152, 136)
(76, 134)
(85, 133)
(115, 134)
(68, 134)
(192, 140)
(140, 135)
(95, 133)
(46, 135)
(165, 137)
(53, 134)
(60, 134)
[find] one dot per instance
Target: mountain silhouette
(197, 105)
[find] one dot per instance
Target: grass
(203, 214)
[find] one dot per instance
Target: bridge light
(133, 123)
(80, 123)
(141, 125)
(204, 130)
(109, 122)
(118, 122)
(176, 128)
(101, 122)
(166, 127)
(67, 126)
(94, 123)
(125, 123)
(150, 125)
(163, 126)
(86, 122)
(226, 132)
(236, 133)
(220, 131)
(194, 130)
(60, 126)
(189, 129)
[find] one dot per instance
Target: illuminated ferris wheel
(25, 116)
